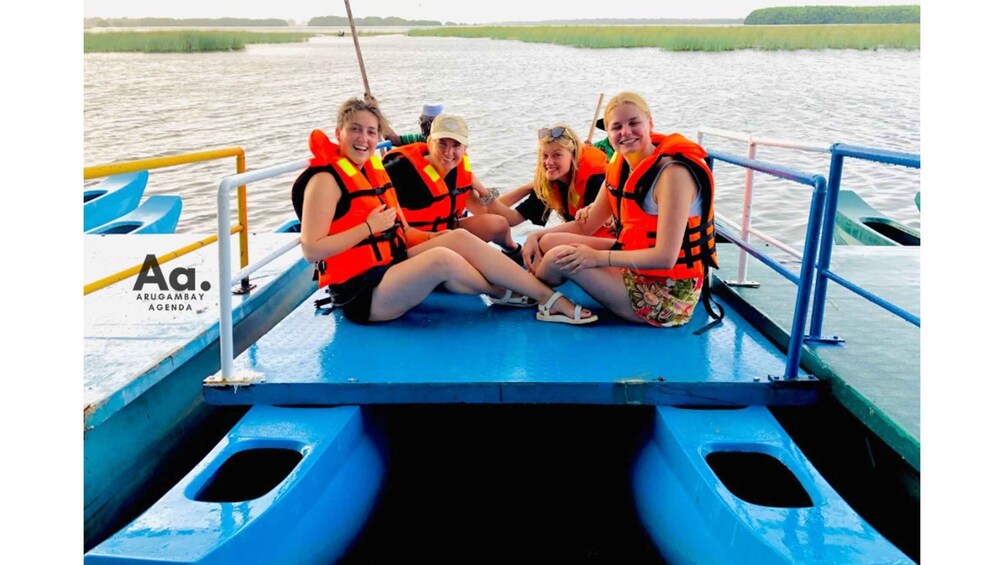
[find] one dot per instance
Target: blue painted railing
(823, 273)
(804, 279)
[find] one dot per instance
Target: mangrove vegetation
(182, 41)
(819, 15)
(702, 38)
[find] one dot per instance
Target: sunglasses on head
(554, 133)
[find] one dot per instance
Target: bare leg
(491, 228)
(546, 270)
(605, 284)
(551, 240)
(496, 268)
(408, 283)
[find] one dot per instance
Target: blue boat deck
(461, 349)
(875, 373)
(133, 339)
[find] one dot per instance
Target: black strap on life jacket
(707, 300)
(435, 224)
(323, 301)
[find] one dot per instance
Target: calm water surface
(268, 98)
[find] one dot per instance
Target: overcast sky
(471, 11)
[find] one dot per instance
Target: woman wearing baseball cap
(375, 265)
(434, 183)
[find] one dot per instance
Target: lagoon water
(268, 98)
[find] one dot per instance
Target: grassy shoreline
(702, 38)
(183, 41)
(668, 38)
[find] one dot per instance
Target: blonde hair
(548, 194)
(354, 105)
(625, 98)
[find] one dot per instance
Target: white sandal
(508, 300)
(544, 313)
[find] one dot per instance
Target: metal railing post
(744, 232)
(797, 335)
(242, 219)
(225, 279)
(826, 244)
(226, 299)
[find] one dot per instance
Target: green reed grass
(702, 38)
(183, 41)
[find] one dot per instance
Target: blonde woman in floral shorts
(660, 191)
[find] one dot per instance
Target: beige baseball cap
(449, 125)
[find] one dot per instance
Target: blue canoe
(860, 224)
(115, 196)
(317, 468)
(158, 214)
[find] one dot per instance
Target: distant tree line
(335, 21)
(815, 15)
(185, 22)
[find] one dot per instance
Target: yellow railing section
(98, 171)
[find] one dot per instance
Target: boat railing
(804, 279)
(108, 169)
(840, 151)
(226, 281)
(745, 226)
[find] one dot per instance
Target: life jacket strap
(323, 301)
(707, 300)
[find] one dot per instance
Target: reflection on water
(268, 98)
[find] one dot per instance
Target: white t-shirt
(649, 205)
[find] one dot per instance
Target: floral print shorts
(662, 303)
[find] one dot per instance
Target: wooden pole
(596, 114)
(359, 53)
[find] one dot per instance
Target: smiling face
(630, 130)
(556, 160)
(446, 153)
(358, 136)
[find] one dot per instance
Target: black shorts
(355, 296)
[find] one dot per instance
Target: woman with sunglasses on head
(434, 182)
(567, 179)
(374, 264)
(660, 192)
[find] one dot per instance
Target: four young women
(638, 234)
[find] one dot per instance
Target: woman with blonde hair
(376, 266)
(567, 178)
(659, 191)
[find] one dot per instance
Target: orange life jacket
(592, 161)
(381, 248)
(448, 205)
(637, 228)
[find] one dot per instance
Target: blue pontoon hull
(858, 223)
(218, 514)
(686, 487)
(116, 196)
(158, 214)
(144, 417)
